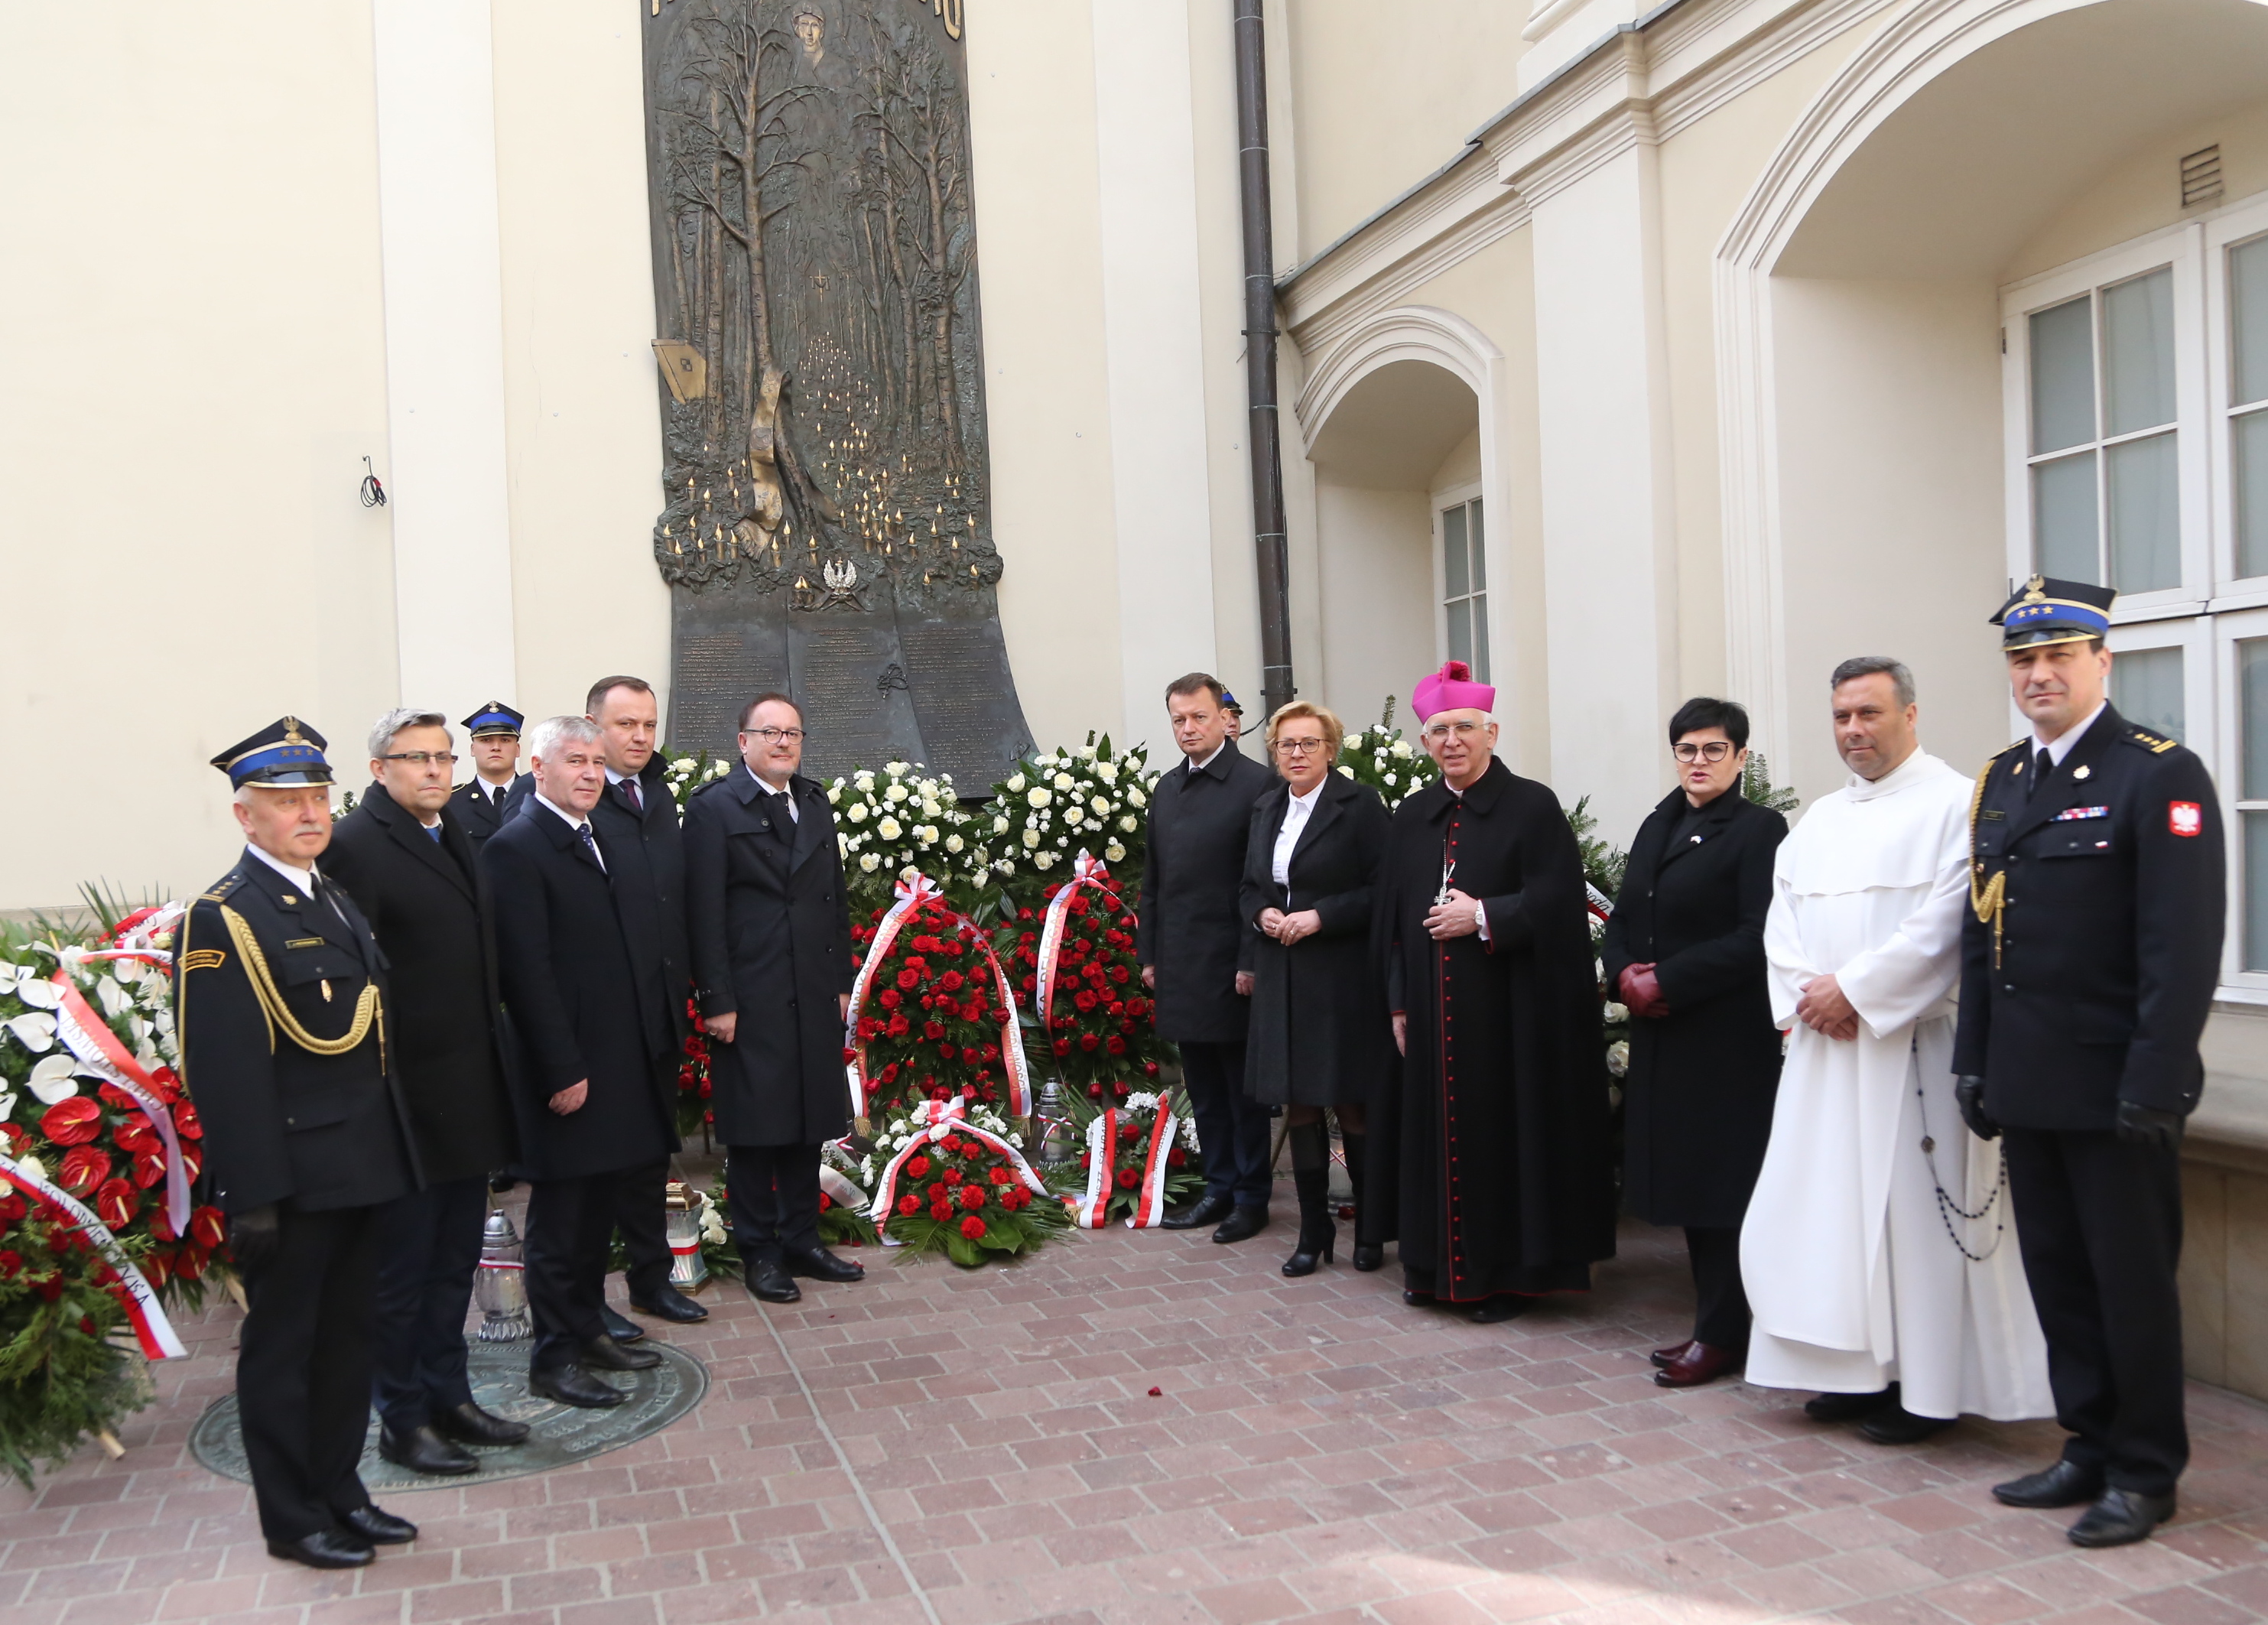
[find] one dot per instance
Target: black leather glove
(1969, 1094)
(2145, 1125)
(251, 1237)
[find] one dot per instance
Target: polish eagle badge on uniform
(2184, 818)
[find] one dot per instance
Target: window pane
(2146, 686)
(2063, 518)
(2137, 352)
(2248, 305)
(1453, 573)
(2256, 890)
(1480, 638)
(2063, 376)
(1461, 630)
(2250, 434)
(1480, 546)
(2145, 542)
(2252, 717)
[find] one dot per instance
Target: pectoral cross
(1448, 874)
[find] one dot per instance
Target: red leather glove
(1642, 992)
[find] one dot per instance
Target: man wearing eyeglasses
(771, 952)
(407, 860)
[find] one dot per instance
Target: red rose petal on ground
(1157, 1393)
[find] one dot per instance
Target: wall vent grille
(2201, 177)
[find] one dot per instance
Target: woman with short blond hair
(1319, 1034)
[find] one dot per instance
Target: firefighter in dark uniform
(2089, 960)
(281, 1012)
(494, 731)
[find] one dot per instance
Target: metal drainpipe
(1276, 684)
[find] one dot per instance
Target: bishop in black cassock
(1492, 1149)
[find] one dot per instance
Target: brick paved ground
(1317, 1450)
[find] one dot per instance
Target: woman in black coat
(1318, 1035)
(1684, 951)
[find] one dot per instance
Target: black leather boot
(1367, 1254)
(1318, 1233)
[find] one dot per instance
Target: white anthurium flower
(54, 1078)
(1016, 784)
(35, 1029)
(115, 999)
(888, 828)
(1063, 781)
(870, 863)
(1031, 844)
(33, 1167)
(1114, 852)
(1039, 796)
(37, 991)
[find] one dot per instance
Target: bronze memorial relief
(826, 526)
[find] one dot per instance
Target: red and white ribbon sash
(1011, 1039)
(1085, 871)
(934, 1119)
(911, 895)
(89, 1038)
(1601, 905)
(1092, 1211)
(156, 1333)
(1150, 1196)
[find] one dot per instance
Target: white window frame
(1460, 495)
(2220, 636)
(2181, 248)
(2222, 231)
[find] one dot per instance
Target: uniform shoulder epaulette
(222, 887)
(2007, 751)
(2142, 738)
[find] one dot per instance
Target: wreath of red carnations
(963, 1195)
(1102, 1033)
(928, 1024)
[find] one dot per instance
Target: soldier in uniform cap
(281, 1013)
(2090, 960)
(494, 731)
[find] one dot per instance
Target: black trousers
(570, 1221)
(638, 1196)
(429, 1244)
(772, 1195)
(2100, 1223)
(303, 1369)
(1231, 1127)
(1720, 1304)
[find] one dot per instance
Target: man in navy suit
(592, 1018)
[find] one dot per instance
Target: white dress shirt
(305, 878)
(1297, 810)
(576, 821)
(1196, 767)
(2060, 746)
(494, 794)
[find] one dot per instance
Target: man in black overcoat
(1684, 949)
(771, 951)
(599, 1054)
(1197, 951)
(637, 820)
(479, 803)
(1503, 1163)
(281, 1014)
(2088, 966)
(405, 859)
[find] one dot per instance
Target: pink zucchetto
(1452, 688)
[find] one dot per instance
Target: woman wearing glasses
(1318, 1034)
(1684, 951)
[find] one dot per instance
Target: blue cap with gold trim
(494, 717)
(2044, 610)
(286, 753)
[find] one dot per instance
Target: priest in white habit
(1491, 1150)
(1879, 1252)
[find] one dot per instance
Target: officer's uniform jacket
(280, 1009)
(2091, 949)
(476, 808)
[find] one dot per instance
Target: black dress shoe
(1241, 1224)
(604, 1354)
(1368, 1255)
(668, 1304)
(768, 1280)
(1849, 1407)
(469, 1424)
(1894, 1424)
(325, 1549)
(2067, 1483)
(1496, 1308)
(2120, 1518)
(819, 1264)
(571, 1385)
(378, 1526)
(1205, 1210)
(1416, 1300)
(423, 1450)
(621, 1328)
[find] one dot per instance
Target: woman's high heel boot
(1367, 1256)
(1311, 1177)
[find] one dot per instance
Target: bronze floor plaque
(562, 1434)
